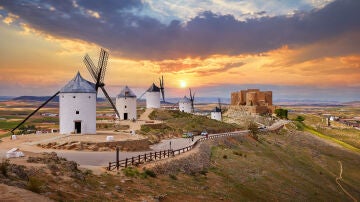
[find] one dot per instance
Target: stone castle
(253, 101)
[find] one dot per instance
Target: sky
(299, 49)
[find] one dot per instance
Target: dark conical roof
(126, 92)
(217, 109)
(78, 85)
(153, 88)
(185, 100)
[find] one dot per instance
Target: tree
(281, 113)
(253, 130)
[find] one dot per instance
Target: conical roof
(126, 92)
(153, 88)
(217, 109)
(185, 100)
(78, 85)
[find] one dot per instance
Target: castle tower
(185, 105)
(153, 97)
(126, 104)
(77, 101)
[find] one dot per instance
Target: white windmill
(77, 100)
(185, 105)
(126, 104)
(217, 113)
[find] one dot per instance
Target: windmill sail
(192, 99)
(30, 115)
(162, 87)
(98, 74)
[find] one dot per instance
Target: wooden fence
(157, 155)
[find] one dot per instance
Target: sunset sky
(299, 49)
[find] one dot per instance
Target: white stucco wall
(185, 107)
(85, 103)
(216, 115)
(152, 99)
(126, 105)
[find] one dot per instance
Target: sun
(182, 83)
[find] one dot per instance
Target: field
(340, 132)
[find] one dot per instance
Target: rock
(118, 188)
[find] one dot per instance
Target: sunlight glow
(183, 84)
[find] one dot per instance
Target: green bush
(130, 172)
(150, 173)
(300, 118)
(173, 176)
(281, 113)
(34, 185)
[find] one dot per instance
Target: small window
(125, 106)
(89, 97)
(74, 96)
(77, 112)
(62, 96)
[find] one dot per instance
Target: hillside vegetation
(288, 166)
(175, 123)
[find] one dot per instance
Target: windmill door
(125, 116)
(77, 127)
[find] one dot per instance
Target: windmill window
(89, 97)
(77, 112)
(74, 96)
(125, 106)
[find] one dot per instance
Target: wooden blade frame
(30, 115)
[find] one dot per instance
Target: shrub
(150, 173)
(254, 130)
(4, 167)
(281, 113)
(300, 118)
(237, 153)
(225, 157)
(34, 185)
(173, 176)
(130, 172)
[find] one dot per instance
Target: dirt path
(337, 179)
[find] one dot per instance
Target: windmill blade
(52, 97)
(102, 64)
(142, 95)
(162, 87)
(91, 67)
(111, 102)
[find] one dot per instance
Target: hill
(288, 166)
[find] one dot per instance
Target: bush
(150, 173)
(281, 113)
(300, 118)
(299, 125)
(34, 185)
(130, 172)
(254, 130)
(225, 157)
(4, 167)
(173, 176)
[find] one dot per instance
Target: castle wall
(254, 100)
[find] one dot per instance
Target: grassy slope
(288, 166)
(346, 136)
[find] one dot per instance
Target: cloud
(115, 25)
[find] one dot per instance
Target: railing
(152, 156)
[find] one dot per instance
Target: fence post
(139, 159)
(126, 161)
(117, 158)
(109, 166)
(132, 160)
(145, 157)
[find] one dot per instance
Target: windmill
(162, 88)
(192, 99)
(98, 74)
(219, 103)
